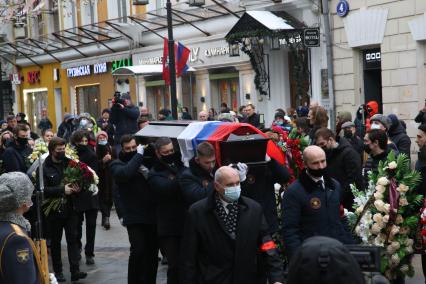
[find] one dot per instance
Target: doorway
(88, 100)
(373, 76)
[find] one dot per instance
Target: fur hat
(15, 190)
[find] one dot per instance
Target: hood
(395, 127)
(374, 106)
(345, 116)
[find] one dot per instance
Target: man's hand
(242, 171)
(106, 159)
(120, 106)
(140, 149)
(68, 189)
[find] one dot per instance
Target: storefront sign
(217, 51)
(55, 74)
(291, 40)
(311, 37)
(372, 58)
(100, 68)
(78, 71)
(121, 63)
(15, 78)
(33, 77)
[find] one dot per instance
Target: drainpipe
(330, 70)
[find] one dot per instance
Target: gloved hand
(242, 171)
(140, 149)
(52, 279)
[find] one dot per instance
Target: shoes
(90, 260)
(75, 276)
(60, 277)
(105, 223)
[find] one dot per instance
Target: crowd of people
(202, 220)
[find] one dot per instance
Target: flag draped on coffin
(214, 132)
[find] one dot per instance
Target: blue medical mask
(102, 142)
(232, 193)
(375, 126)
(279, 122)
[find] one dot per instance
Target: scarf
(17, 219)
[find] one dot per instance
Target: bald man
(223, 236)
(203, 116)
(311, 205)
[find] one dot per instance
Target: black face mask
(82, 148)
(348, 134)
(22, 141)
(422, 154)
(367, 149)
(170, 159)
(317, 173)
(60, 156)
(126, 156)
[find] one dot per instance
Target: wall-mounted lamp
(203, 99)
(234, 49)
(247, 96)
(275, 43)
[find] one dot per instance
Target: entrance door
(36, 102)
(373, 76)
(88, 100)
(228, 90)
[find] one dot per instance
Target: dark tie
(320, 184)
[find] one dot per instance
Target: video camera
(368, 257)
(118, 98)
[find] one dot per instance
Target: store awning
(142, 70)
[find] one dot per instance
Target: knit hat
(383, 119)
(326, 259)
(103, 133)
(15, 189)
(345, 116)
(279, 115)
(348, 124)
(164, 112)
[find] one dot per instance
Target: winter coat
(253, 120)
(309, 210)
(105, 177)
(65, 130)
(211, 256)
(421, 167)
(171, 209)
(372, 164)
(421, 117)
(186, 116)
(44, 124)
(344, 165)
(135, 194)
(125, 120)
(399, 137)
(312, 134)
(14, 158)
(195, 183)
(358, 145)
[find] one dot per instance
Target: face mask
(232, 193)
(367, 149)
(169, 159)
(375, 126)
(60, 155)
(126, 157)
(279, 122)
(81, 147)
(102, 142)
(317, 173)
(422, 154)
(22, 141)
(348, 134)
(83, 122)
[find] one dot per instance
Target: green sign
(121, 63)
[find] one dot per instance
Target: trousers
(170, 246)
(90, 216)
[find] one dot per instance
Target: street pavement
(112, 254)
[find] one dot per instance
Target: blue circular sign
(342, 8)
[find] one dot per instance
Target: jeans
(91, 216)
(143, 260)
(170, 246)
(57, 226)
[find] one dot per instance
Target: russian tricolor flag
(182, 56)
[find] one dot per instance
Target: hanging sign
(311, 37)
(121, 63)
(342, 8)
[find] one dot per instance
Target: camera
(368, 257)
(118, 98)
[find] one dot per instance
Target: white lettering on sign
(193, 56)
(100, 68)
(78, 71)
(216, 51)
(151, 60)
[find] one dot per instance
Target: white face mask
(232, 193)
(375, 126)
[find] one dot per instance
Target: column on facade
(247, 87)
(141, 90)
(203, 90)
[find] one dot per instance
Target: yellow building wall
(46, 81)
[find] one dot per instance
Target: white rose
(357, 230)
(403, 188)
(392, 165)
(359, 210)
(403, 202)
(375, 229)
(404, 268)
(394, 231)
(409, 242)
(385, 219)
(380, 188)
(378, 218)
(386, 208)
(379, 204)
(390, 250)
(378, 195)
(383, 181)
(409, 249)
(379, 241)
(395, 259)
(395, 245)
(399, 219)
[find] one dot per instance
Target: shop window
(34, 102)
(88, 100)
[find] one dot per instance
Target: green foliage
(411, 222)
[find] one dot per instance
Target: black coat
(358, 145)
(259, 186)
(308, 210)
(170, 206)
(421, 117)
(125, 120)
(65, 130)
(399, 137)
(186, 116)
(104, 173)
(344, 165)
(85, 200)
(14, 158)
(253, 120)
(135, 193)
(312, 134)
(421, 167)
(195, 183)
(372, 164)
(211, 256)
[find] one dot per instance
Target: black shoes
(60, 277)
(105, 223)
(75, 276)
(90, 260)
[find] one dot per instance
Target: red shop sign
(33, 77)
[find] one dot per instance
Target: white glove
(140, 149)
(242, 171)
(52, 279)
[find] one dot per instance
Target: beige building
(379, 51)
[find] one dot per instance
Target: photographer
(124, 115)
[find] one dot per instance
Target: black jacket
(358, 145)
(85, 200)
(14, 158)
(170, 206)
(312, 134)
(399, 137)
(65, 130)
(259, 186)
(211, 256)
(125, 120)
(44, 123)
(421, 167)
(308, 210)
(195, 183)
(253, 120)
(135, 194)
(186, 116)
(344, 165)
(372, 164)
(421, 117)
